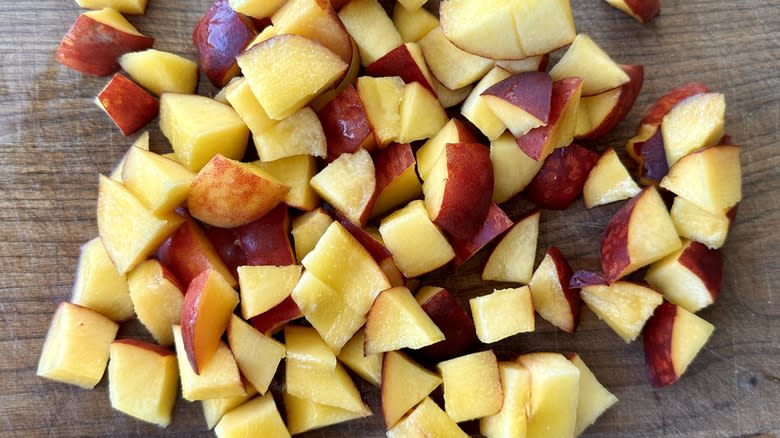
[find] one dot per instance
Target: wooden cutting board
(54, 141)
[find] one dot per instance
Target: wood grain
(54, 141)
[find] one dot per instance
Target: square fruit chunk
(128, 105)
(300, 133)
(348, 184)
(413, 24)
(408, 229)
(504, 313)
(710, 178)
(371, 28)
(307, 230)
(327, 310)
(512, 419)
(200, 128)
(323, 385)
(159, 71)
(99, 286)
(77, 346)
(472, 386)
(382, 98)
(157, 298)
(696, 223)
(513, 169)
(143, 380)
(692, 124)
(344, 265)
(263, 287)
(160, 183)
(290, 57)
(555, 388)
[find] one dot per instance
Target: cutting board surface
(54, 141)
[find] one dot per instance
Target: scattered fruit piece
(200, 128)
(608, 181)
(553, 298)
(77, 346)
(562, 177)
(673, 337)
(159, 71)
(227, 193)
(97, 39)
(244, 421)
(404, 385)
(513, 258)
(143, 380)
(623, 305)
(472, 386)
(594, 400)
(128, 105)
(98, 285)
(502, 314)
(257, 355)
(640, 233)
(220, 36)
(157, 299)
(219, 378)
(642, 10)
(512, 419)
(205, 314)
(397, 321)
(690, 277)
(552, 410)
